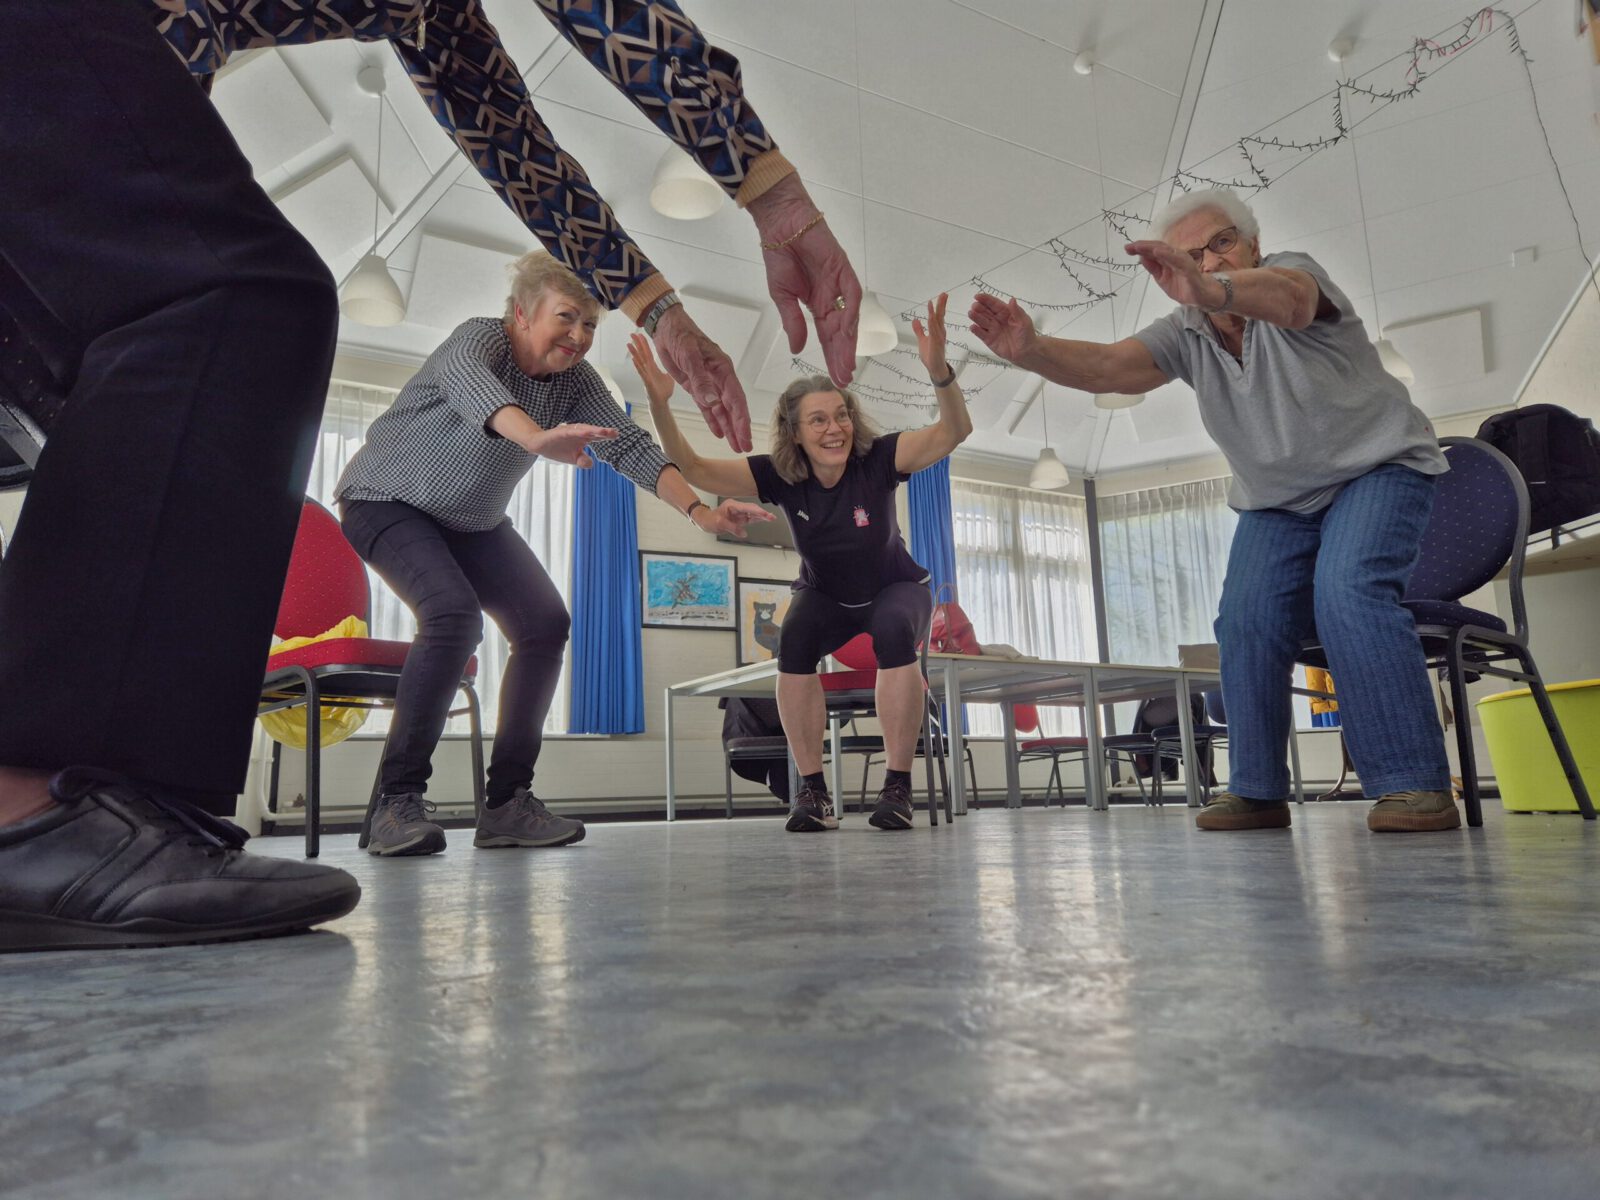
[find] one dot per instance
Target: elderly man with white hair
(1333, 480)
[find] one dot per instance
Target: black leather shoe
(119, 864)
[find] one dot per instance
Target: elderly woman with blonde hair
(834, 476)
(424, 502)
(1333, 479)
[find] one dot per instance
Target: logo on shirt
(862, 520)
(801, 513)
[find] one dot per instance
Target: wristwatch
(657, 311)
(1226, 281)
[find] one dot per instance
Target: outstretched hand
(568, 443)
(706, 373)
(1175, 273)
(731, 517)
(810, 269)
(930, 339)
(1002, 326)
(658, 384)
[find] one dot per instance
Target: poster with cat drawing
(762, 605)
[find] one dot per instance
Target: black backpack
(1558, 453)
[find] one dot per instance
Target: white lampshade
(1394, 362)
(875, 334)
(683, 191)
(1049, 473)
(371, 296)
(1117, 400)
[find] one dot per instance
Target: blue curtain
(933, 535)
(607, 648)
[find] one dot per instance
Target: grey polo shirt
(433, 448)
(1305, 411)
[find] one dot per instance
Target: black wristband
(689, 512)
(947, 380)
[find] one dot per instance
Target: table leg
(1192, 767)
(955, 738)
(1008, 715)
(672, 762)
(836, 764)
(1094, 766)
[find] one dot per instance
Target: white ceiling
(951, 138)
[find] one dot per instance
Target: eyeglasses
(817, 422)
(1220, 244)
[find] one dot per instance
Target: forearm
(695, 95)
(513, 424)
(1284, 298)
(954, 419)
(1081, 365)
(476, 94)
(673, 442)
(674, 490)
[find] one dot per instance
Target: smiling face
(1195, 233)
(824, 429)
(554, 336)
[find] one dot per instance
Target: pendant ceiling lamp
(370, 295)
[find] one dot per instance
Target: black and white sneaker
(893, 810)
(811, 811)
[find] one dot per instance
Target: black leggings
(449, 580)
(815, 625)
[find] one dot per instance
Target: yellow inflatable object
(288, 725)
(1318, 680)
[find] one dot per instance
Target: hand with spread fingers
(931, 338)
(1175, 273)
(569, 443)
(731, 517)
(1002, 325)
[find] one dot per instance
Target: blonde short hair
(536, 273)
(788, 459)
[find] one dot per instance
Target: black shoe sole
(804, 823)
(24, 932)
(430, 842)
(503, 841)
(888, 817)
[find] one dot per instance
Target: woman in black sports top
(834, 477)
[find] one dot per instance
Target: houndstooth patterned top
(434, 451)
(689, 89)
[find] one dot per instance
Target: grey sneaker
(812, 811)
(1227, 811)
(401, 827)
(523, 820)
(893, 810)
(1414, 812)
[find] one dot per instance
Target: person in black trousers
(190, 330)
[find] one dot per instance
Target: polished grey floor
(1033, 1003)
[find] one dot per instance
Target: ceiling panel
(1150, 40)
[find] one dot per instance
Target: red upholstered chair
(327, 582)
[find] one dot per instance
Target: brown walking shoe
(1414, 812)
(1227, 811)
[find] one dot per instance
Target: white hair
(1223, 200)
(536, 273)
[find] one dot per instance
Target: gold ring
(838, 302)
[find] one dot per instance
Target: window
(541, 511)
(1022, 558)
(1164, 552)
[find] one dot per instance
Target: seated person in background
(834, 477)
(424, 502)
(753, 717)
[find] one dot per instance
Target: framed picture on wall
(687, 591)
(762, 605)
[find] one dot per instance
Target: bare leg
(900, 708)
(804, 714)
(24, 793)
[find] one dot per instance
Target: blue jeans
(1337, 576)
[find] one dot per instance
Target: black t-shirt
(848, 536)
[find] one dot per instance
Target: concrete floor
(1031, 1004)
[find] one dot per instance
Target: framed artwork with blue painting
(687, 591)
(762, 606)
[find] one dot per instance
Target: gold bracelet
(804, 228)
